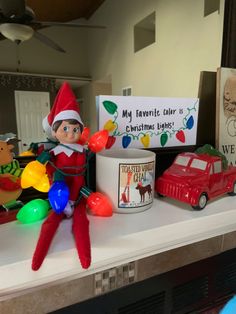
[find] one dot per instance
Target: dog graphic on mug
(143, 190)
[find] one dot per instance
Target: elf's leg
(48, 230)
(80, 229)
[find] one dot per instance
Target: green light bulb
(164, 138)
(33, 211)
(110, 106)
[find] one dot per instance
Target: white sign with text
(142, 122)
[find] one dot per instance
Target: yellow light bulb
(27, 153)
(43, 185)
(109, 126)
(32, 174)
(145, 140)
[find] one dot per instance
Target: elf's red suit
(80, 226)
(73, 164)
(70, 162)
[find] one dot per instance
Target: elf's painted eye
(76, 130)
(66, 128)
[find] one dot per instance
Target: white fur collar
(66, 149)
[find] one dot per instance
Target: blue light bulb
(230, 307)
(126, 141)
(190, 122)
(58, 196)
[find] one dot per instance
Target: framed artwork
(226, 113)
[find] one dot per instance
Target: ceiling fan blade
(12, 7)
(69, 25)
(47, 41)
(2, 37)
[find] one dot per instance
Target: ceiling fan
(18, 23)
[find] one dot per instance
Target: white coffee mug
(127, 177)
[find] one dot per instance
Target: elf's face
(68, 133)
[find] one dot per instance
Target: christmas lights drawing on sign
(145, 122)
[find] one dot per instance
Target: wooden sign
(226, 113)
(142, 122)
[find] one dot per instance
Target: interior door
(31, 108)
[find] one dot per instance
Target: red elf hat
(65, 107)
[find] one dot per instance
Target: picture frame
(226, 113)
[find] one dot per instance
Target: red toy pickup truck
(196, 178)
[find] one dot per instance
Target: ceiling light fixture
(16, 32)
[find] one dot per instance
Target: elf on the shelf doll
(66, 167)
(68, 156)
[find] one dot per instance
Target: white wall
(186, 43)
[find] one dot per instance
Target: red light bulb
(180, 136)
(110, 142)
(98, 141)
(99, 204)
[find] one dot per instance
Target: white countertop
(116, 240)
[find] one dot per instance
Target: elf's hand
(98, 140)
(34, 171)
(84, 136)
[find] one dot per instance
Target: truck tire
(202, 201)
(233, 192)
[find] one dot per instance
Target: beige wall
(35, 57)
(186, 43)
(88, 94)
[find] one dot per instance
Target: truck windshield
(198, 164)
(182, 160)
